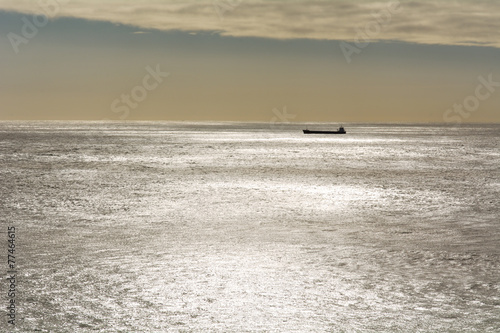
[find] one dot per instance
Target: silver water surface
(232, 227)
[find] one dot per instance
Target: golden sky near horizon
(374, 61)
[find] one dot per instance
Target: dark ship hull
(340, 131)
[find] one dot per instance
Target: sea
(249, 227)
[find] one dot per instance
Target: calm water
(156, 227)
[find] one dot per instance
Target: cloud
(421, 21)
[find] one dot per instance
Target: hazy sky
(249, 60)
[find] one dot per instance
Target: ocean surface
(240, 227)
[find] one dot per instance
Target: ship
(341, 130)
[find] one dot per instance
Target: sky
(250, 60)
